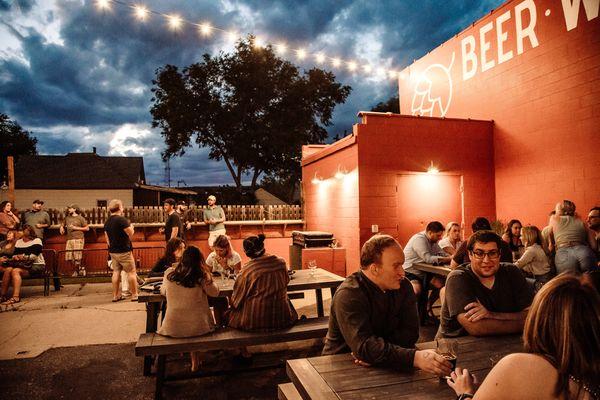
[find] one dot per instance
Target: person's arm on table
(478, 321)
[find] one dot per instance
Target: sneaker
(126, 293)
(75, 274)
(82, 272)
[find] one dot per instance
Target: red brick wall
(332, 205)
(392, 145)
(545, 101)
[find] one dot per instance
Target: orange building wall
(545, 100)
(394, 144)
(332, 205)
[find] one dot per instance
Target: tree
(392, 105)
(15, 141)
(250, 108)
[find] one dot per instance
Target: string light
(141, 12)
(103, 4)
(205, 29)
(175, 22)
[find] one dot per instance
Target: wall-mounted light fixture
(340, 173)
(317, 179)
(433, 170)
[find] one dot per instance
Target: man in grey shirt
(214, 217)
(374, 314)
(423, 248)
(37, 218)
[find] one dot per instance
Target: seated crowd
(497, 286)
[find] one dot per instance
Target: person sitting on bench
(259, 301)
(186, 287)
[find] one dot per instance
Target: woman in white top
(451, 240)
(562, 350)
(187, 286)
(534, 261)
(223, 259)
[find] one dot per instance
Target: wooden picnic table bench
(153, 344)
(430, 271)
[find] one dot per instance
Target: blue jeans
(576, 259)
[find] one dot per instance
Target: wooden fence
(156, 214)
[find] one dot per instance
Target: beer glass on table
(447, 348)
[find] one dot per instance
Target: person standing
(37, 218)
(74, 225)
(173, 227)
(214, 217)
(118, 232)
(184, 216)
(593, 224)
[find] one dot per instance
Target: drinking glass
(447, 348)
(312, 267)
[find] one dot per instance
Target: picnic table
(430, 271)
(337, 377)
(300, 280)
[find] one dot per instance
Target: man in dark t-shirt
(484, 297)
(118, 233)
(173, 226)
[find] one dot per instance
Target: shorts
(122, 262)
(74, 244)
(213, 235)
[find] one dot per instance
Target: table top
(300, 280)
(337, 377)
(442, 270)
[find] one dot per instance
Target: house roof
(264, 197)
(78, 171)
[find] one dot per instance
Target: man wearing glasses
(485, 296)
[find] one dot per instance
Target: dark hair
(596, 208)
(169, 201)
(373, 249)
(563, 326)
(172, 246)
(254, 246)
(509, 226)
(435, 227)
(30, 232)
(3, 204)
(484, 237)
(481, 224)
(190, 271)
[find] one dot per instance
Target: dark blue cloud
(98, 76)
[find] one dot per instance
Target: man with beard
(484, 297)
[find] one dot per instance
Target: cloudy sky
(79, 77)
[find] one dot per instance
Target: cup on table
(312, 267)
(224, 275)
(447, 348)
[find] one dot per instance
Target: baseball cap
(38, 202)
(211, 197)
(181, 203)
(75, 206)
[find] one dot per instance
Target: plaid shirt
(259, 301)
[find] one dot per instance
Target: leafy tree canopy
(391, 105)
(15, 141)
(250, 108)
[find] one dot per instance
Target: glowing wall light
(432, 170)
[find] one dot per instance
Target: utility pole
(11, 179)
(168, 173)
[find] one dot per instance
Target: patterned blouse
(259, 301)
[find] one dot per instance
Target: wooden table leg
(151, 325)
(160, 376)
(319, 295)
(422, 300)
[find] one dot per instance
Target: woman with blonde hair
(575, 243)
(562, 350)
(451, 240)
(223, 259)
(534, 261)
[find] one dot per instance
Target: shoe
(82, 272)
(126, 293)
(75, 274)
(12, 300)
(134, 298)
(118, 299)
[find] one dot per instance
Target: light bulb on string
(232, 36)
(205, 29)
(336, 62)
(259, 42)
(320, 57)
(141, 12)
(367, 68)
(352, 66)
(281, 48)
(103, 4)
(174, 22)
(301, 53)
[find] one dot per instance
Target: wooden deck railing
(156, 214)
